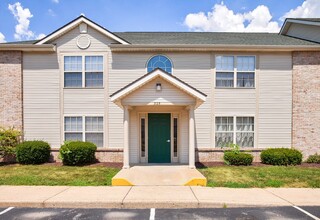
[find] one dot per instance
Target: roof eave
(28, 47)
(287, 23)
(212, 47)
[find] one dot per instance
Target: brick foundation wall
(216, 155)
(11, 89)
(306, 102)
(102, 155)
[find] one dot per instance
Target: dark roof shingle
(214, 38)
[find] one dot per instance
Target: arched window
(159, 61)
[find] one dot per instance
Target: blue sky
(150, 15)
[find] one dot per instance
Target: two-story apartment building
(165, 97)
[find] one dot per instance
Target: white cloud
(40, 36)
(55, 1)
(2, 38)
(51, 13)
(308, 9)
(22, 15)
(221, 18)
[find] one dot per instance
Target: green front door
(159, 146)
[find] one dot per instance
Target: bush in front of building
(237, 158)
(315, 158)
(9, 139)
(33, 152)
(281, 156)
(75, 153)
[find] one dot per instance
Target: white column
(191, 138)
(126, 138)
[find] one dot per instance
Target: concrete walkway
(154, 197)
(159, 175)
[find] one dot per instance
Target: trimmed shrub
(77, 153)
(33, 152)
(315, 158)
(237, 159)
(9, 139)
(281, 156)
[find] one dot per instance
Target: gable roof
(306, 21)
(76, 22)
(123, 92)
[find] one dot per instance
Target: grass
(56, 175)
(266, 176)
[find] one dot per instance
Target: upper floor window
(235, 71)
(159, 61)
(89, 75)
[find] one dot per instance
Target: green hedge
(237, 159)
(315, 158)
(77, 153)
(281, 156)
(33, 152)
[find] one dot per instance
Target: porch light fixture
(158, 86)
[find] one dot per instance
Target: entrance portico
(158, 119)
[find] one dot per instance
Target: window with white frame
(235, 71)
(245, 131)
(234, 130)
(83, 71)
(224, 131)
(84, 128)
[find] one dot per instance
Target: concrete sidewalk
(154, 197)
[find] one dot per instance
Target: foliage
(77, 153)
(281, 156)
(9, 139)
(237, 158)
(56, 175)
(262, 176)
(315, 158)
(33, 152)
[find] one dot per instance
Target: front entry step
(158, 175)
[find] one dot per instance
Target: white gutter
(28, 47)
(212, 47)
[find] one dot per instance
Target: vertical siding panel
(275, 100)
(41, 86)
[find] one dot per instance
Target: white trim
(287, 24)
(148, 78)
(159, 54)
(77, 22)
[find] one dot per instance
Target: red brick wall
(11, 89)
(306, 102)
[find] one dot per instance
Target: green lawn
(264, 176)
(56, 175)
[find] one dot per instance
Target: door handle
(168, 141)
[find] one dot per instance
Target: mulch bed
(255, 164)
(59, 164)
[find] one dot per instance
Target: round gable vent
(83, 42)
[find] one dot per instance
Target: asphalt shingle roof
(210, 38)
(201, 38)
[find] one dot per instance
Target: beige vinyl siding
(234, 101)
(192, 68)
(84, 101)
(68, 42)
(148, 95)
(275, 100)
(308, 32)
(195, 69)
(184, 137)
(41, 101)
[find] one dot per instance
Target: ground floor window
(84, 128)
(234, 130)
